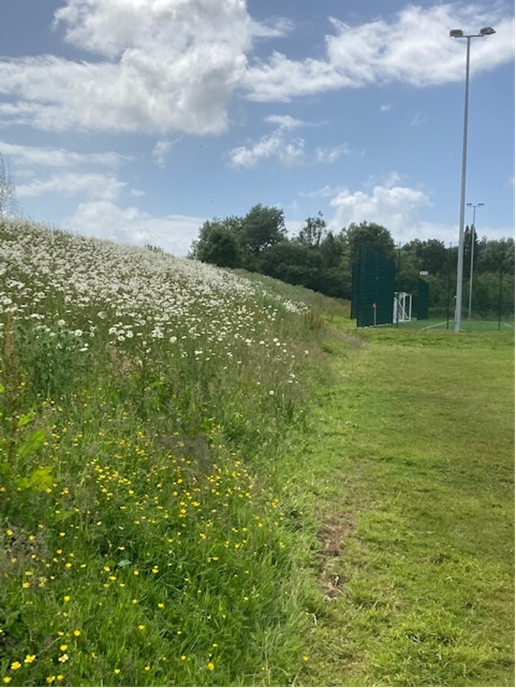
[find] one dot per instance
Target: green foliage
(238, 241)
(314, 232)
(51, 357)
(374, 235)
(430, 255)
(322, 260)
(147, 407)
(176, 514)
(219, 243)
(262, 228)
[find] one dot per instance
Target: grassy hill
(173, 445)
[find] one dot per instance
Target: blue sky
(137, 120)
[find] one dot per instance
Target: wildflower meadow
(146, 409)
(211, 478)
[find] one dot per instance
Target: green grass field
(413, 469)
(473, 325)
(209, 480)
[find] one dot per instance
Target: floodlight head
(456, 33)
(487, 31)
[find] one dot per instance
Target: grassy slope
(413, 516)
(413, 465)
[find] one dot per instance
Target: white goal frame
(402, 308)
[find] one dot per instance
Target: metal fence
(423, 298)
(372, 296)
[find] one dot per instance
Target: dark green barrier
(372, 288)
(423, 294)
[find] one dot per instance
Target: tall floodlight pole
(459, 33)
(473, 234)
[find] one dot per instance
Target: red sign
(374, 306)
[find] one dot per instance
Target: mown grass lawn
(412, 473)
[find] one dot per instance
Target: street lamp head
(456, 33)
(487, 31)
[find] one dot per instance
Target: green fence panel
(354, 289)
(423, 294)
(372, 288)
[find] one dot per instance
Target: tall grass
(145, 408)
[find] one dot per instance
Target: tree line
(321, 259)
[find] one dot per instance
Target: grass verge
(412, 480)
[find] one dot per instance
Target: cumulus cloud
(158, 66)
(106, 220)
(413, 48)
(395, 207)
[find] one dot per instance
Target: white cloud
(385, 108)
(165, 65)
(414, 48)
(271, 147)
(281, 79)
(93, 185)
(160, 151)
(324, 192)
(106, 220)
(286, 121)
(58, 157)
(332, 154)
(275, 27)
(288, 152)
(394, 207)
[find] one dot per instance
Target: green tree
(314, 231)
(374, 235)
(495, 255)
(293, 262)
(219, 243)
(332, 250)
(262, 227)
(430, 255)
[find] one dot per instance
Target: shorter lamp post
(473, 234)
